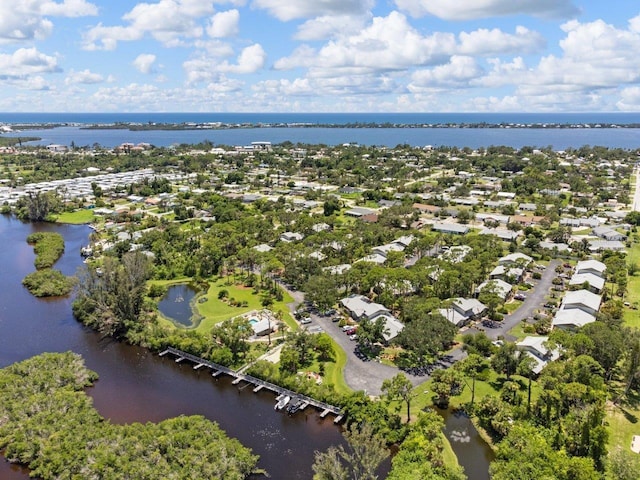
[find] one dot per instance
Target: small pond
(177, 304)
(473, 453)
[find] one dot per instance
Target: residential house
(289, 237)
(591, 266)
(537, 349)
(452, 228)
(463, 310)
(609, 234)
(499, 287)
(358, 212)
(578, 309)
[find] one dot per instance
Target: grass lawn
(215, 311)
(333, 371)
(518, 331)
(622, 424)
(78, 217)
(631, 316)
(512, 306)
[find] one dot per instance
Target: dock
(259, 384)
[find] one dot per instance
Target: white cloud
(68, 8)
(33, 83)
(224, 24)
(458, 72)
(389, 43)
(85, 77)
(28, 20)
(250, 60)
(327, 26)
(629, 99)
(26, 61)
(495, 41)
(286, 10)
(474, 9)
(207, 69)
(144, 62)
(168, 21)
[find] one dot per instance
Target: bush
(48, 283)
(536, 275)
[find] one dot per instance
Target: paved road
(358, 374)
(636, 194)
(535, 300)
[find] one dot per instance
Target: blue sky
(319, 55)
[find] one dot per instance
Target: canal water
(135, 385)
(138, 386)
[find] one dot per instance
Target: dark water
(137, 386)
(176, 304)
(134, 385)
(628, 138)
(472, 451)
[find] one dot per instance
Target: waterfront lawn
(622, 423)
(632, 313)
(333, 371)
(215, 311)
(77, 217)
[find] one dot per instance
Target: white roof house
(462, 310)
(595, 282)
(360, 306)
(572, 319)
(338, 269)
(263, 248)
(392, 327)
(454, 228)
(583, 300)
(373, 258)
(515, 258)
(535, 347)
(591, 266)
(389, 247)
(289, 237)
(500, 287)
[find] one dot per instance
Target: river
(138, 386)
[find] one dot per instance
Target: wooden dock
(259, 384)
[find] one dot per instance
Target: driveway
(358, 374)
(535, 300)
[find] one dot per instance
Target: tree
(322, 290)
(399, 388)
(359, 461)
(331, 205)
(505, 360)
(525, 368)
(233, 334)
(471, 367)
(444, 384)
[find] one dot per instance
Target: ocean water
(557, 138)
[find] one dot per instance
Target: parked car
(353, 337)
(305, 320)
(520, 296)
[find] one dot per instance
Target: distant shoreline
(151, 126)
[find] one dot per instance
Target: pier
(259, 384)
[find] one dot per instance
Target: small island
(46, 281)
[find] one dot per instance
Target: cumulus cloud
(224, 24)
(144, 62)
(28, 20)
(389, 43)
(206, 69)
(495, 41)
(474, 9)
(286, 10)
(457, 73)
(168, 21)
(27, 61)
(85, 77)
(327, 26)
(629, 99)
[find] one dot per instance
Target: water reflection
(177, 304)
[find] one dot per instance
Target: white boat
(282, 401)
